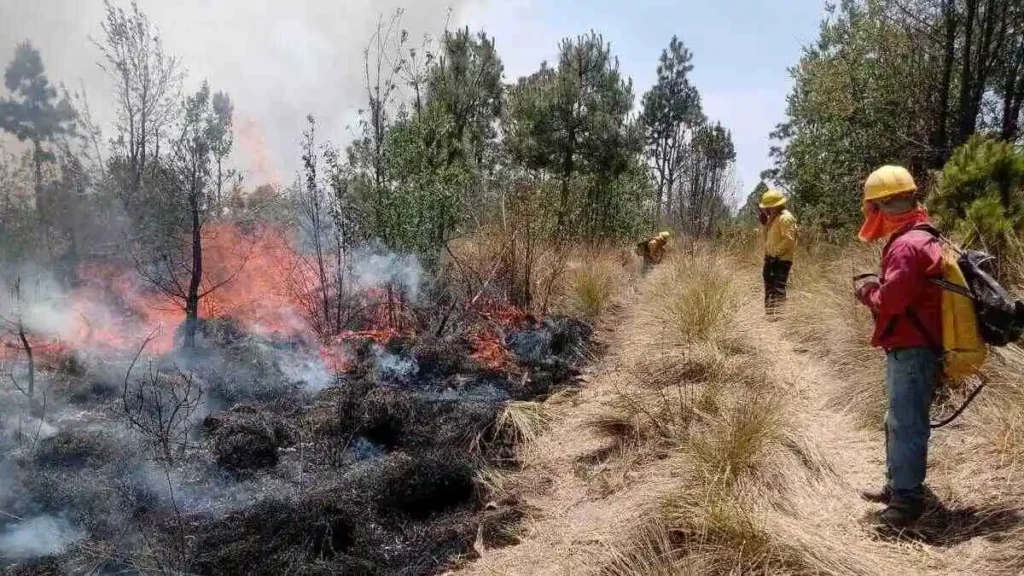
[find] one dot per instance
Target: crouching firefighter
(653, 250)
(779, 244)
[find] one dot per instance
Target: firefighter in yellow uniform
(779, 244)
(653, 250)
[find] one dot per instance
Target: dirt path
(584, 500)
(576, 512)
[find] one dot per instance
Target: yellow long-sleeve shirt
(780, 237)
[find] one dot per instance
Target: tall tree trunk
(568, 166)
(989, 47)
(195, 282)
(940, 134)
(1013, 93)
(339, 284)
(966, 75)
(31, 361)
(325, 280)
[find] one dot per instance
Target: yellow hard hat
(888, 181)
(665, 235)
(772, 199)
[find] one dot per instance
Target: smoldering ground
(273, 454)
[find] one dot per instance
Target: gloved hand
(862, 284)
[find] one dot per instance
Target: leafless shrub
(160, 406)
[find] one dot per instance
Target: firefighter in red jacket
(908, 326)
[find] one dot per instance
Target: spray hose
(961, 409)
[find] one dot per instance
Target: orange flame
(256, 279)
(486, 344)
(248, 278)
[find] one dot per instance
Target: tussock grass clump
(654, 420)
(522, 421)
(735, 446)
(703, 529)
(710, 401)
(594, 278)
(696, 302)
(721, 529)
(698, 364)
(650, 552)
(992, 433)
(510, 437)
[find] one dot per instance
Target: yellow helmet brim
(776, 204)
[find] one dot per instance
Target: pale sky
(281, 60)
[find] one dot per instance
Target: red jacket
(909, 259)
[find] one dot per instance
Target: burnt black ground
(373, 474)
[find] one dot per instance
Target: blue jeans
(910, 376)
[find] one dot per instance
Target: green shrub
(980, 197)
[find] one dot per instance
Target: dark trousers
(775, 274)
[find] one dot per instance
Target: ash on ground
(276, 466)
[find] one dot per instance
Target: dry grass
(709, 400)
(694, 301)
(824, 318)
(523, 422)
(592, 282)
(576, 280)
(739, 444)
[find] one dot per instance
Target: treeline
(444, 146)
(935, 85)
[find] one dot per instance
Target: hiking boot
(882, 495)
(901, 512)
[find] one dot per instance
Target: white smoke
(37, 536)
(279, 61)
(38, 303)
(393, 367)
(48, 312)
(374, 270)
(309, 370)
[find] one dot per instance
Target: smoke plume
(279, 61)
(37, 537)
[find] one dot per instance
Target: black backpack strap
(947, 285)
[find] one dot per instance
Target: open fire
(259, 281)
(369, 439)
